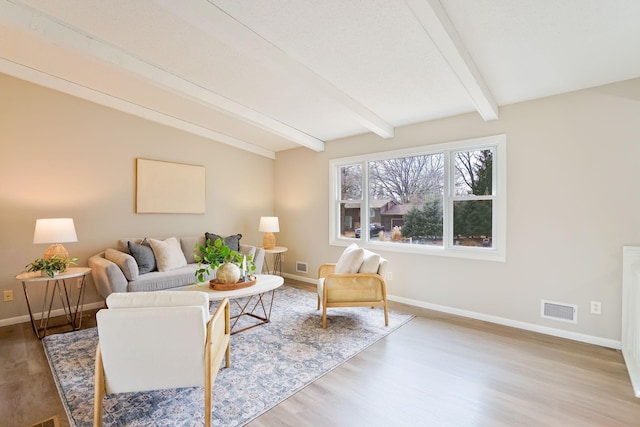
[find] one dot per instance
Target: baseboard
(58, 312)
(575, 336)
(311, 280)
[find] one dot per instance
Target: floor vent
(49, 422)
(301, 267)
(560, 311)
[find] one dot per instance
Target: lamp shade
(269, 224)
(55, 230)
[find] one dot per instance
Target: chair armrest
(326, 269)
(107, 276)
(354, 287)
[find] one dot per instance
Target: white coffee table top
(265, 283)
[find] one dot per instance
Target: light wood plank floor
(437, 370)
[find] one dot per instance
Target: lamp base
(269, 241)
(56, 250)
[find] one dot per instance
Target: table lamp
(269, 225)
(56, 231)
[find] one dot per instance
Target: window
(445, 199)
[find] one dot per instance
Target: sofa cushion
(143, 255)
(350, 260)
(232, 241)
(370, 263)
(126, 263)
(189, 248)
(168, 254)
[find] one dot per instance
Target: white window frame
(497, 252)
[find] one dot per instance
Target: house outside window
(445, 199)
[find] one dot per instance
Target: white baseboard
(58, 312)
(575, 336)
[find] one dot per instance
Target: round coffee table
(254, 303)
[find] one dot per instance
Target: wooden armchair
(159, 340)
(363, 286)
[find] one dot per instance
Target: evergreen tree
(424, 222)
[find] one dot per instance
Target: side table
(58, 283)
(277, 259)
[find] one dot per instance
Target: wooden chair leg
(386, 314)
(207, 402)
(318, 303)
(324, 316)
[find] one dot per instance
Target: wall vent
(302, 267)
(560, 311)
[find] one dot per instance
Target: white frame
(498, 143)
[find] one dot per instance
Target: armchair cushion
(132, 358)
(371, 262)
(157, 299)
(350, 260)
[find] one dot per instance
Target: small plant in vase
(51, 266)
(225, 262)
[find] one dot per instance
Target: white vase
(44, 273)
(228, 273)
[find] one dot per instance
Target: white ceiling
(267, 76)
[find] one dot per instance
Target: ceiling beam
(26, 19)
(209, 18)
(61, 85)
(436, 23)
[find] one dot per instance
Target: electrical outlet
(389, 276)
(79, 282)
(7, 296)
(596, 307)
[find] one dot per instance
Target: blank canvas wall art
(167, 187)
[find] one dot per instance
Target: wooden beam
(24, 18)
(436, 23)
(56, 83)
(202, 15)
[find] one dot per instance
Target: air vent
(560, 311)
(301, 267)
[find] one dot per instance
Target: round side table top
(36, 276)
(276, 250)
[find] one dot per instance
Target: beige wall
(573, 202)
(61, 156)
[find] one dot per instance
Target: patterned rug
(268, 364)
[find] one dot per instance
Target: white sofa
(116, 270)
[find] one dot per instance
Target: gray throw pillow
(143, 254)
(232, 241)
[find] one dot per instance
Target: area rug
(268, 364)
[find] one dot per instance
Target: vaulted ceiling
(267, 76)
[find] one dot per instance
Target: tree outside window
(444, 197)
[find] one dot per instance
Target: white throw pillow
(168, 253)
(350, 260)
(370, 263)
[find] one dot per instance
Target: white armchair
(159, 340)
(356, 280)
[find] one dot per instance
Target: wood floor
(437, 370)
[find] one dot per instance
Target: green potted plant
(51, 266)
(212, 255)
